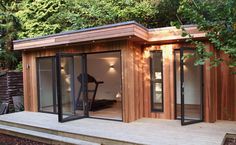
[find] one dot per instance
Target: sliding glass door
(71, 94)
(189, 93)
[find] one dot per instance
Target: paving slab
(142, 131)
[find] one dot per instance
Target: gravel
(12, 140)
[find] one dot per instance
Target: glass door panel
(177, 85)
(191, 89)
(68, 66)
(80, 85)
(45, 84)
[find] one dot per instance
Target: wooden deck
(143, 131)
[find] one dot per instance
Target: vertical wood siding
(219, 83)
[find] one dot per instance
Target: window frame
(53, 59)
(152, 82)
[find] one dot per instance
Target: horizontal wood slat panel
(34, 43)
(122, 31)
(173, 34)
(96, 34)
(11, 85)
(141, 33)
(134, 30)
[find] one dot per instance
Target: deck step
(43, 137)
(66, 134)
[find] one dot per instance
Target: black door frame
(175, 82)
(110, 119)
(85, 102)
(84, 87)
(181, 52)
(53, 59)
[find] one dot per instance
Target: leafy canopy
(31, 18)
(218, 19)
(9, 26)
(40, 17)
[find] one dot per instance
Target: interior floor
(105, 69)
(113, 112)
(157, 105)
(47, 108)
(192, 111)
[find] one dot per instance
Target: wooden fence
(11, 84)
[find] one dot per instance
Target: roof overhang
(172, 34)
(127, 30)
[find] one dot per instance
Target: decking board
(143, 131)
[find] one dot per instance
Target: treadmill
(94, 104)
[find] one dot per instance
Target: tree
(218, 19)
(99, 12)
(40, 17)
(167, 12)
(9, 26)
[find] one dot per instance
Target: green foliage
(31, 18)
(217, 18)
(167, 12)
(8, 59)
(99, 12)
(19, 66)
(40, 17)
(9, 26)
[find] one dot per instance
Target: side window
(46, 84)
(156, 70)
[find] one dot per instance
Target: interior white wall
(45, 82)
(66, 77)
(192, 82)
(98, 65)
(77, 72)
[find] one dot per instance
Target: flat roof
(113, 31)
(83, 30)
